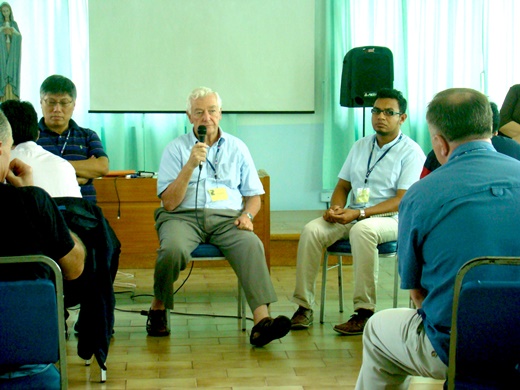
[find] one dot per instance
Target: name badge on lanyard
(362, 195)
(217, 194)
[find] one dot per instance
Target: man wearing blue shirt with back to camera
(467, 208)
(210, 192)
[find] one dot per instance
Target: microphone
(201, 131)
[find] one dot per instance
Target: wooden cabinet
(129, 206)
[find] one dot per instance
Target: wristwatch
(361, 214)
(249, 215)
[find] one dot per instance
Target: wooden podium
(129, 204)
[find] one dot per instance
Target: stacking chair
(485, 329)
(32, 327)
(342, 248)
(205, 252)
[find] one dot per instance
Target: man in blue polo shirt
(467, 208)
(60, 135)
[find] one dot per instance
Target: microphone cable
(201, 132)
(196, 198)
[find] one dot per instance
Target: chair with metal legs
(208, 252)
(32, 327)
(485, 326)
(342, 248)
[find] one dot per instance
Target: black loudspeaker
(366, 70)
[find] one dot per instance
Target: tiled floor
(209, 351)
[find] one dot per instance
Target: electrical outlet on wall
(325, 196)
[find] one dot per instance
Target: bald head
(461, 114)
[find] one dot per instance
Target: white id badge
(362, 195)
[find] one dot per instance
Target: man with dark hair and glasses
(376, 174)
(59, 134)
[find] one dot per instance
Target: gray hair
(201, 92)
(461, 114)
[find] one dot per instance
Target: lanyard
(65, 144)
(369, 169)
(215, 167)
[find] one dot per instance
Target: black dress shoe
(157, 323)
(269, 329)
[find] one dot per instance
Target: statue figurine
(10, 55)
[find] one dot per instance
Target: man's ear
(442, 147)
(445, 146)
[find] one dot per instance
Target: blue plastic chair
(32, 327)
(485, 329)
(208, 252)
(342, 248)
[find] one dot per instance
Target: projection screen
(146, 56)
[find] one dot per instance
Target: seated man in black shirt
(33, 223)
(89, 257)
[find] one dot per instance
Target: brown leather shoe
(302, 318)
(356, 324)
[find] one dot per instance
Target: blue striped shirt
(74, 144)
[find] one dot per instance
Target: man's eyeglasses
(54, 103)
(387, 112)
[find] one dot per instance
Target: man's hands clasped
(340, 215)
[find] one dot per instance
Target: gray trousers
(180, 232)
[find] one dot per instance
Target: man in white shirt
(50, 172)
(378, 171)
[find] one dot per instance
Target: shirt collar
(391, 143)
(221, 139)
(469, 147)
(43, 127)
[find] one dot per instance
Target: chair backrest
(485, 332)
(32, 321)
